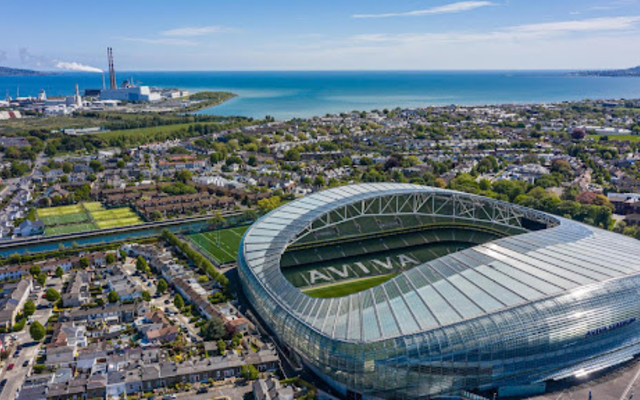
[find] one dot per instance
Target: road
(15, 378)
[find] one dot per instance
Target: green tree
(249, 372)
(213, 329)
(183, 176)
(217, 220)
(141, 264)
(29, 308)
(146, 296)
(178, 301)
(59, 272)
(35, 270)
(111, 258)
(162, 286)
(52, 295)
(113, 297)
(222, 347)
(84, 262)
(41, 278)
(37, 331)
(292, 155)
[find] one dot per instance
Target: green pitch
(223, 247)
(84, 217)
(347, 288)
(67, 229)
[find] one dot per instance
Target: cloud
(445, 9)
(32, 60)
(193, 31)
(164, 41)
(74, 66)
(586, 25)
(517, 32)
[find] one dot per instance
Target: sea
(291, 94)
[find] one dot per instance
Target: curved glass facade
(556, 301)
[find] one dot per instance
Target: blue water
(286, 95)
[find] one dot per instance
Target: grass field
(346, 288)
(73, 228)
(62, 210)
(65, 219)
(226, 250)
(618, 138)
(85, 217)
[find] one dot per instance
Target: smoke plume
(74, 66)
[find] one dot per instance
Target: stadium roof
(566, 257)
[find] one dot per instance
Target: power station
(127, 91)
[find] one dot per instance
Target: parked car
(202, 390)
(25, 363)
(3, 383)
(10, 367)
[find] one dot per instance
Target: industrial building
(530, 298)
(127, 91)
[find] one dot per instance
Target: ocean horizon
(302, 94)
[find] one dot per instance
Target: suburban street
(29, 352)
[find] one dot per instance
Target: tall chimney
(112, 70)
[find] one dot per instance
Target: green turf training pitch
(224, 251)
(67, 229)
(65, 219)
(62, 210)
(349, 287)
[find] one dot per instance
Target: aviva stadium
(399, 291)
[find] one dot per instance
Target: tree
(59, 272)
(146, 296)
(292, 155)
(41, 278)
(162, 286)
(37, 331)
(141, 264)
(52, 295)
(183, 176)
(96, 166)
(84, 262)
(266, 205)
(111, 258)
(213, 329)
(249, 372)
(35, 270)
(113, 297)
(578, 133)
(178, 301)
(217, 220)
(29, 308)
(222, 347)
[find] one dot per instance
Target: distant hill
(629, 72)
(6, 71)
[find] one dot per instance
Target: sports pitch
(85, 217)
(222, 245)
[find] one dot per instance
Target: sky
(321, 34)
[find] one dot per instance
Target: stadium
(399, 291)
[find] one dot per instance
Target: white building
(130, 93)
